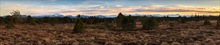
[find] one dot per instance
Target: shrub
(120, 15)
(119, 20)
(207, 22)
(11, 25)
(66, 20)
(9, 22)
(218, 23)
(128, 23)
(17, 17)
(109, 25)
(182, 19)
(30, 20)
(79, 26)
(150, 24)
(1, 20)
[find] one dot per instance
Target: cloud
(119, 6)
(174, 10)
(95, 9)
(31, 9)
(146, 9)
(177, 8)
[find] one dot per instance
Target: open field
(190, 33)
(109, 22)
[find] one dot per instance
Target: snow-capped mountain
(48, 15)
(173, 15)
(99, 16)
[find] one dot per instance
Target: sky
(110, 7)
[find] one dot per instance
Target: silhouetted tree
(128, 23)
(93, 20)
(179, 19)
(67, 20)
(30, 20)
(197, 18)
(17, 16)
(183, 19)
(120, 15)
(150, 24)
(79, 26)
(119, 19)
(78, 16)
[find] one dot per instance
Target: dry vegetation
(190, 33)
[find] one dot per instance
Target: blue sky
(110, 7)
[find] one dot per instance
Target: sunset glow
(110, 7)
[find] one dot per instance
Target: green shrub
(17, 16)
(119, 20)
(110, 24)
(150, 24)
(30, 20)
(79, 27)
(125, 22)
(128, 23)
(9, 22)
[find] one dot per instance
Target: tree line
(121, 22)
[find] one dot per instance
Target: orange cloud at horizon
(75, 10)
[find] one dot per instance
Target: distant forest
(120, 21)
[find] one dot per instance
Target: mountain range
(100, 16)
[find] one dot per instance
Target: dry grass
(190, 33)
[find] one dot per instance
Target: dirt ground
(190, 33)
